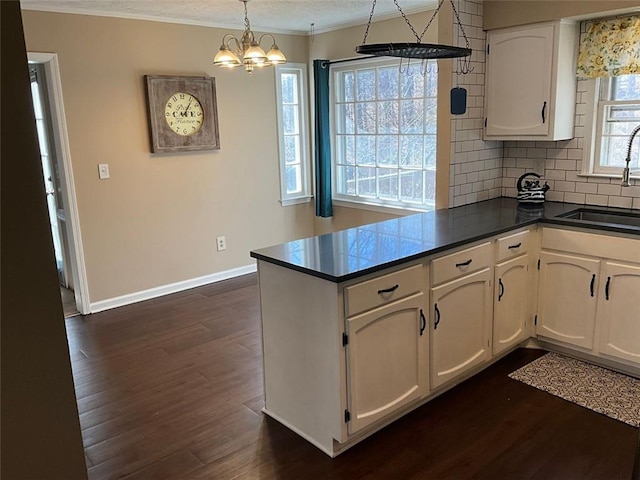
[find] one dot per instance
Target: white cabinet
(510, 308)
(386, 360)
(619, 311)
(461, 312)
(530, 88)
(590, 293)
(567, 298)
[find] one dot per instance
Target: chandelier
(247, 50)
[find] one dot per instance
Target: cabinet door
(386, 360)
(510, 308)
(567, 298)
(519, 71)
(619, 311)
(461, 326)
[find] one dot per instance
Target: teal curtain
(324, 207)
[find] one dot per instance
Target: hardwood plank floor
(171, 388)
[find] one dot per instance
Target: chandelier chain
(247, 26)
(366, 32)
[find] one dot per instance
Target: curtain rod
(356, 59)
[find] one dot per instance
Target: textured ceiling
(278, 16)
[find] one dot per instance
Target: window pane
(366, 150)
(626, 87)
(346, 149)
(388, 82)
(388, 117)
(347, 86)
(366, 117)
(346, 180)
(411, 186)
(412, 81)
(292, 149)
(431, 116)
(345, 118)
(366, 84)
(290, 119)
(411, 116)
(388, 183)
(366, 181)
(387, 150)
(411, 150)
(430, 151)
(289, 88)
(294, 179)
(614, 152)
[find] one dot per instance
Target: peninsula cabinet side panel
(303, 355)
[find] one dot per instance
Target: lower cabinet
(387, 360)
(461, 326)
(619, 311)
(567, 298)
(511, 309)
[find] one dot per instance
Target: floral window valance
(610, 48)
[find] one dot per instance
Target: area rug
(598, 389)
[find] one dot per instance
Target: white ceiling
(276, 16)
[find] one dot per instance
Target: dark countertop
(357, 251)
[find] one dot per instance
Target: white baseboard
(171, 288)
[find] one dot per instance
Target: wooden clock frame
(159, 89)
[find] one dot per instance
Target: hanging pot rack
(418, 49)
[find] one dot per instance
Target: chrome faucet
(626, 172)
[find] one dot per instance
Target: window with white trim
(617, 114)
(384, 123)
(293, 132)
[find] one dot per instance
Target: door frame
(61, 145)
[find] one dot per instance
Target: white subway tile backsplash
(604, 189)
(575, 197)
(598, 200)
(622, 202)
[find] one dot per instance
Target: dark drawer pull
(501, 292)
(593, 281)
(436, 321)
(388, 290)
(423, 322)
(517, 245)
(464, 264)
(606, 288)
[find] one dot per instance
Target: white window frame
(300, 71)
(598, 98)
(376, 204)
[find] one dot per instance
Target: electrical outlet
(221, 243)
(103, 171)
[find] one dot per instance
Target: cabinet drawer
(381, 290)
(460, 263)
(592, 244)
(513, 245)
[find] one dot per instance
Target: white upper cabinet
(530, 91)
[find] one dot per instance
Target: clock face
(183, 113)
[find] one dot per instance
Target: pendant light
(247, 51)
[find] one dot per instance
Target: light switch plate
(103, 171)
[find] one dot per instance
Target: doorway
(58, 182)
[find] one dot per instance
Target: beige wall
(155, 221)
(40, 426)
(507, 13)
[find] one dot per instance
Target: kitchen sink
(604, 216)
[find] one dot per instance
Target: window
(291, 81)
(618, 113)
(384, 133)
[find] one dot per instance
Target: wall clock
(182, 113)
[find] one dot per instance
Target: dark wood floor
(172, 388)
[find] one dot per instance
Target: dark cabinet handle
(388, 290)
(593, 282)
(517, 245)
(437, 320)
(544, 110)
(606, 288)
(501, 285)
(423, 322)
(463, 264)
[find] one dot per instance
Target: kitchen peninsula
(362, 325)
